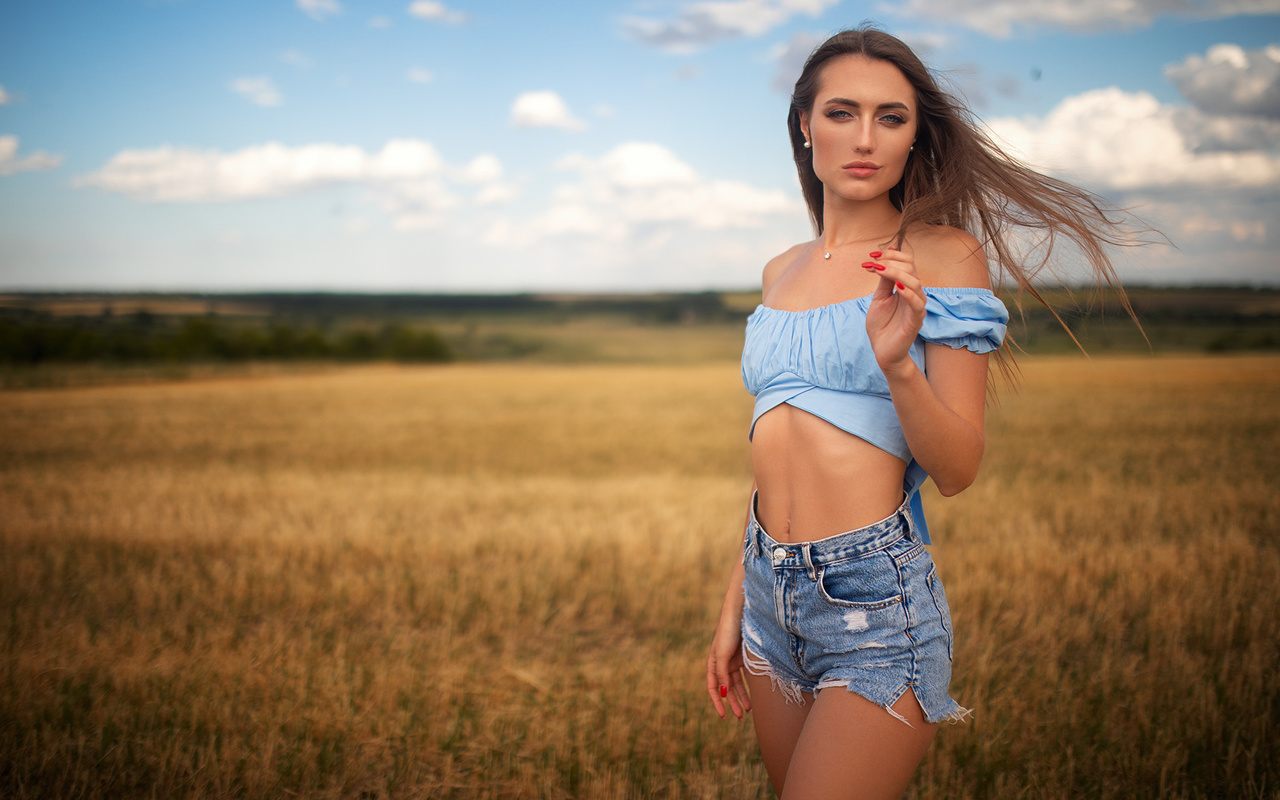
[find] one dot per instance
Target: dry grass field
(498, 581)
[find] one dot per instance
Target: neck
(851, 221)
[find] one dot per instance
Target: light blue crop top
(820, 360)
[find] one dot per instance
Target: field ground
(498, 581)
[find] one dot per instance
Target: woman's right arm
(724, 661)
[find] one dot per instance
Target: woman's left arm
(941, 415)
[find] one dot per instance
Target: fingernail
(880, 267)
(899, 285)
(875, 254)
(724, 690)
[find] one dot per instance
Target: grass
(498, 581)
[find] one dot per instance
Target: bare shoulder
(779, 263)
(947, 256)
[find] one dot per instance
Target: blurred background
(481, 146)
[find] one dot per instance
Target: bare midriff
(815, 480)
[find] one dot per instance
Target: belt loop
(808, 562)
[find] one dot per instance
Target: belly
(815, 480)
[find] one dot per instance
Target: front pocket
(869, 583)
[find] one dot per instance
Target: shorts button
(779, 554)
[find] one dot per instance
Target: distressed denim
(863, 610)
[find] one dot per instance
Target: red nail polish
(899, 285)
(875, 254)
(724, 690)
(880, 267)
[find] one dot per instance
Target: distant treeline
(144, 328)
(143, 337)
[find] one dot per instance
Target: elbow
(954, 485)
(952, 482)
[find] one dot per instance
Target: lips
(861, 169)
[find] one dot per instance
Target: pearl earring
(806, 145)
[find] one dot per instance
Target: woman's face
(861, 127)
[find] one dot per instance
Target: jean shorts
(863, 610)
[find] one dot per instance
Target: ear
(804, 126)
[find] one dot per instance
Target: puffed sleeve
(962, 317)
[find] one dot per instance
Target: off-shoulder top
(820, 361)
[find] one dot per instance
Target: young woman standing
(868, 361)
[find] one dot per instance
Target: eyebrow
(840, 101)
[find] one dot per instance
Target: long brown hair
(957, 176)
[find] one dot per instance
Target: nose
(864, 138)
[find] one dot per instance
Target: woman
(868, 360)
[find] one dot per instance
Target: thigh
(778, 723)
(852, 748)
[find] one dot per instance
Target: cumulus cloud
(436, 12)
(643, 188)
(319, 9)
(1212, 133)
(1001, 17)
(700, 24)
(544, 109)
(4, 97)
(10, 162)
(1230, 80)
(1128, 141)
(407, 178)
(260, 91)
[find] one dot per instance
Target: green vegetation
(122, 330)
(144, 337)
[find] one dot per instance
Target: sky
(579, 145)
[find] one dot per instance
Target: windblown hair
(957, 176)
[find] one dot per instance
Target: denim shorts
(863, 610)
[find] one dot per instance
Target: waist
(834, 548)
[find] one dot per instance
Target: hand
(724, 668)
(897, 307)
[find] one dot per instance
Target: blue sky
(581, 146)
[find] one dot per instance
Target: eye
(839, 113)
(894, 119)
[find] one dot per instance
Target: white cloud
(260, 91)
(11, 163)
(484, 168)
(1215, 133)
(436, 12)
(1228, 79)
(1001, 17)
(702, 23)
(319, 9)
(1218, 207)
(420, 75)
(380, 22)
(4, 97)
(544, 109)
(643, 189)
(1115, 140)
(407, 178)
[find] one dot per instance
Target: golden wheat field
(498, 581)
